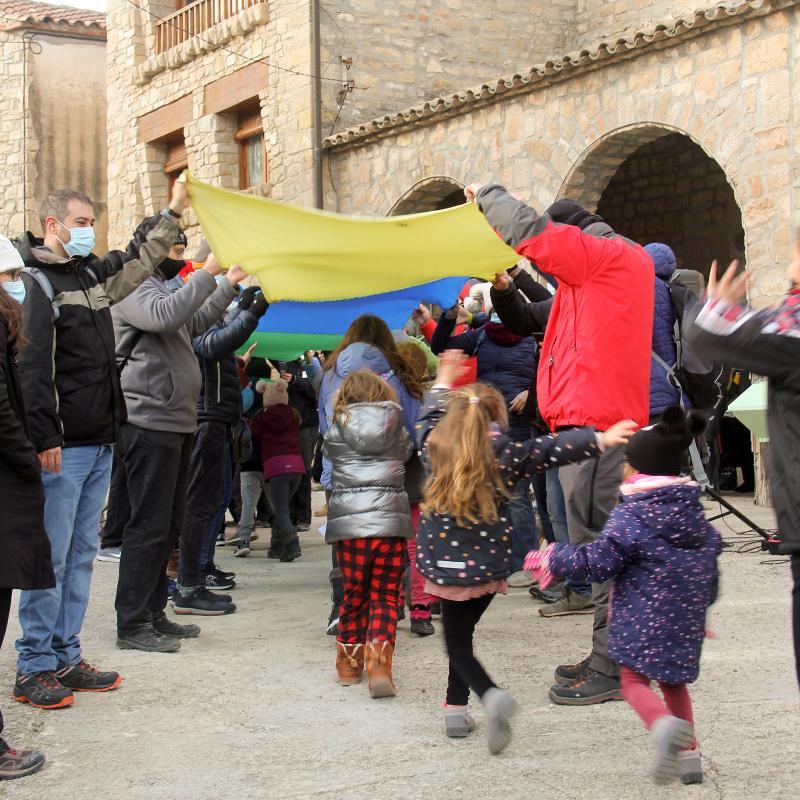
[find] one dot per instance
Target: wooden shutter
(250, 124)
(176, 156)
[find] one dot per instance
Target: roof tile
(30, 11)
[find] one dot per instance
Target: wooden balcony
(195, 18)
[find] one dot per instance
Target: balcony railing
(194, 18)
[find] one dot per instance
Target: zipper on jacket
(219, 384)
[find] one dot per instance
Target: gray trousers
(591, 490)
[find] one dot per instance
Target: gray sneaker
(458, 722)
(570, 603)
(18, 763)
(690, 766)
(500, 708)
(670, 735)
(112, 554)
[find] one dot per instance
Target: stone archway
(430, 194)
(656, 183)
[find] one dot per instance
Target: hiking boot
(42, 690)
(500, 708)
(552, 594)
(148, 640)
(422, 627)
(167, 627)
(349, 663)
(291, 549)
(242, 549)
(379, 669)
(670, 735)
(458, 722)
(215, 580)
(566, 674)
(521, 579)
(690, 767)
(83, 677)
(112, 555)
(588, 690)
(570, 603)
(18, 763)
(201, 601)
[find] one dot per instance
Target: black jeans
(119, 505)
(301, 502)
(5, 611)
(459, 618)
(158, 464)
(796, 611)
(280, 490)
(203, 497)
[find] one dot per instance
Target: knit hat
(9, 256)
(659, 449)
(663, 259)
(568, 212)
(181, 238)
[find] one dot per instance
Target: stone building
(52, 109)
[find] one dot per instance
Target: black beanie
(659, 449)
(568, 212)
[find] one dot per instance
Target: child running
(369, 520)
(662, 556)
(464, 540)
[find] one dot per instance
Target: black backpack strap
(123, 362)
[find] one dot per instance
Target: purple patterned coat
(662, 555)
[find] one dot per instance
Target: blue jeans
(51, 619)
(218, 520)
(524, 537)
(557, 510)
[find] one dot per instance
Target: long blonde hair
(362, 386)
(465, 482)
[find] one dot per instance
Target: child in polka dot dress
(464, 539)
(661, 553)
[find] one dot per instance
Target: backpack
(691, 375)
(242, 443)
(47, 287)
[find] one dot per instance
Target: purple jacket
(662, 555)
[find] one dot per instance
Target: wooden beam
(164, 122)
(227, 93)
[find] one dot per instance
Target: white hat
(9, 256)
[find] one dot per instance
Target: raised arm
(443, 338)
(219, 343)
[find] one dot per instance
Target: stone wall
(12, 53)
(728, 89)
(415, 50)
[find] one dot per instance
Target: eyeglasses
(15, 274)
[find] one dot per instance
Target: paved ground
(251, 709)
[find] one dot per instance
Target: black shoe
(422, 627)
(202, 602)
(588, 690)
(83, 677)
(566, 674)
(552, 594)
(149, 641)
(18, 763)
(169, 628)
(42, 690)
(291, 550)
(215, 570)
(401, 613)
(436, 609)
(303, 526)
(217, 581)
(333, 621)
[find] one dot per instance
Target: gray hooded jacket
(367, 455)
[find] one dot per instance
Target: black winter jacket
(70, 381)
(220, 397)
(302, 396)
(453, 554)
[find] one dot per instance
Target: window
(252, 149)
(176, 162)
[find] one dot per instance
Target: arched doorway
(653, 183)
(430, 194)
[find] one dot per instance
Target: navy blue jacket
(662, 555)
(450, 554)
(510, 368)
(662, 393)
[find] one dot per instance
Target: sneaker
(216, 581)
(521, 579)
(458, 722)
(566, 674)
(233, 540)
(112, 554)
(202, 602)
(242, 549)
(215, 570)
(167, 627)
(302, 527)
(18, 763)
(83, 677)
(148, 640)
(552, 594)
(690, 767)
(670, 735)
(588, 690)
(570, 603)
(42, 690)
(220, 540)
(500, 708)
(422, 627)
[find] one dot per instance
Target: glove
(260, 305)
(537, 562)
(247, 296)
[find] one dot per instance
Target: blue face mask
(16, 289)
(495, 318)
(248, 398)
(81, 241)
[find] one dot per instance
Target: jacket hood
(676, 513)
(663, 259)
(34, 253)
(373, 427)
(600, 229)
(360, 355)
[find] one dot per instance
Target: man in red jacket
(594, 369)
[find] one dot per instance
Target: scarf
(499, 334)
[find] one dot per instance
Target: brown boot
(349, 663)
(379, 669)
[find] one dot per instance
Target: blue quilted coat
(662, 556)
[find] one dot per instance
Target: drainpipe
(316, 101)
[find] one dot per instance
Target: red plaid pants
(372, 573)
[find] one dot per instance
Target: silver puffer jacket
(367, 454)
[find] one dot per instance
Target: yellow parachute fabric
(306, 254)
